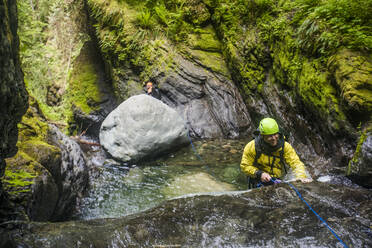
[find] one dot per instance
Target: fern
(162, 14)
(144, 19)
(325, 26)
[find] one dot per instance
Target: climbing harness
(317, 215)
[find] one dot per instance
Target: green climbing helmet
(268, 126)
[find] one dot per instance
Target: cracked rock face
(209, 102)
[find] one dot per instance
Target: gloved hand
(265, 177)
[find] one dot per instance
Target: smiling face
(271, 139)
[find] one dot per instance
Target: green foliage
(31, 35)
(325, 26)
(162, 14)
(353, 167)
(83, 91)
(48, 44)
(144, 19)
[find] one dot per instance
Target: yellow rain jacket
(264, 162)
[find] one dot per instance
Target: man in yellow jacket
(263, 157)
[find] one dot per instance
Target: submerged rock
(273, 216)
(195, 183)
(142, 127)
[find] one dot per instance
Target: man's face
(149, 85)
(271, 139)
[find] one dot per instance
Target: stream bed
(119, 189)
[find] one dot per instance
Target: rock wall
(232, 64)
(13, 95)
(319, 91)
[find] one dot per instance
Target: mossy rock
(205, 39)
(210, 60)
(33, 124)
(196, 12)
(19, 174)
(47, 155)
(318, 94)
(29, 175)
(83, 90)
(32, 185)
(352, 72)
(360, 166)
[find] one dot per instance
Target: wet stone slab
(273, 216)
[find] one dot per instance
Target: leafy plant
(162, 14)
(144, 19)
(324, 26)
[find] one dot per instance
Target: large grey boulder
(142, 127)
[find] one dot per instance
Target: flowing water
(119, 189)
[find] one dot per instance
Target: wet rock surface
(142, 127)
(272, 216)
(71, 175)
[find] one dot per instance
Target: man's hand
(265, 177)
(306, 180)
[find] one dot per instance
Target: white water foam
(324, 179)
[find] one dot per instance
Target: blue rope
(317, 215)
(192, 145)
(188, 136)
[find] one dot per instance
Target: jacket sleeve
(292, 159)
(246, 164)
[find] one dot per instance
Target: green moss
(353, 167)
(41, 151)
(83, 88)
(31, 126)
(319, 95)
(20, 173)
(352, 73)
(18, 178)
(211, 60)
(205, 40)
(287, 64)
